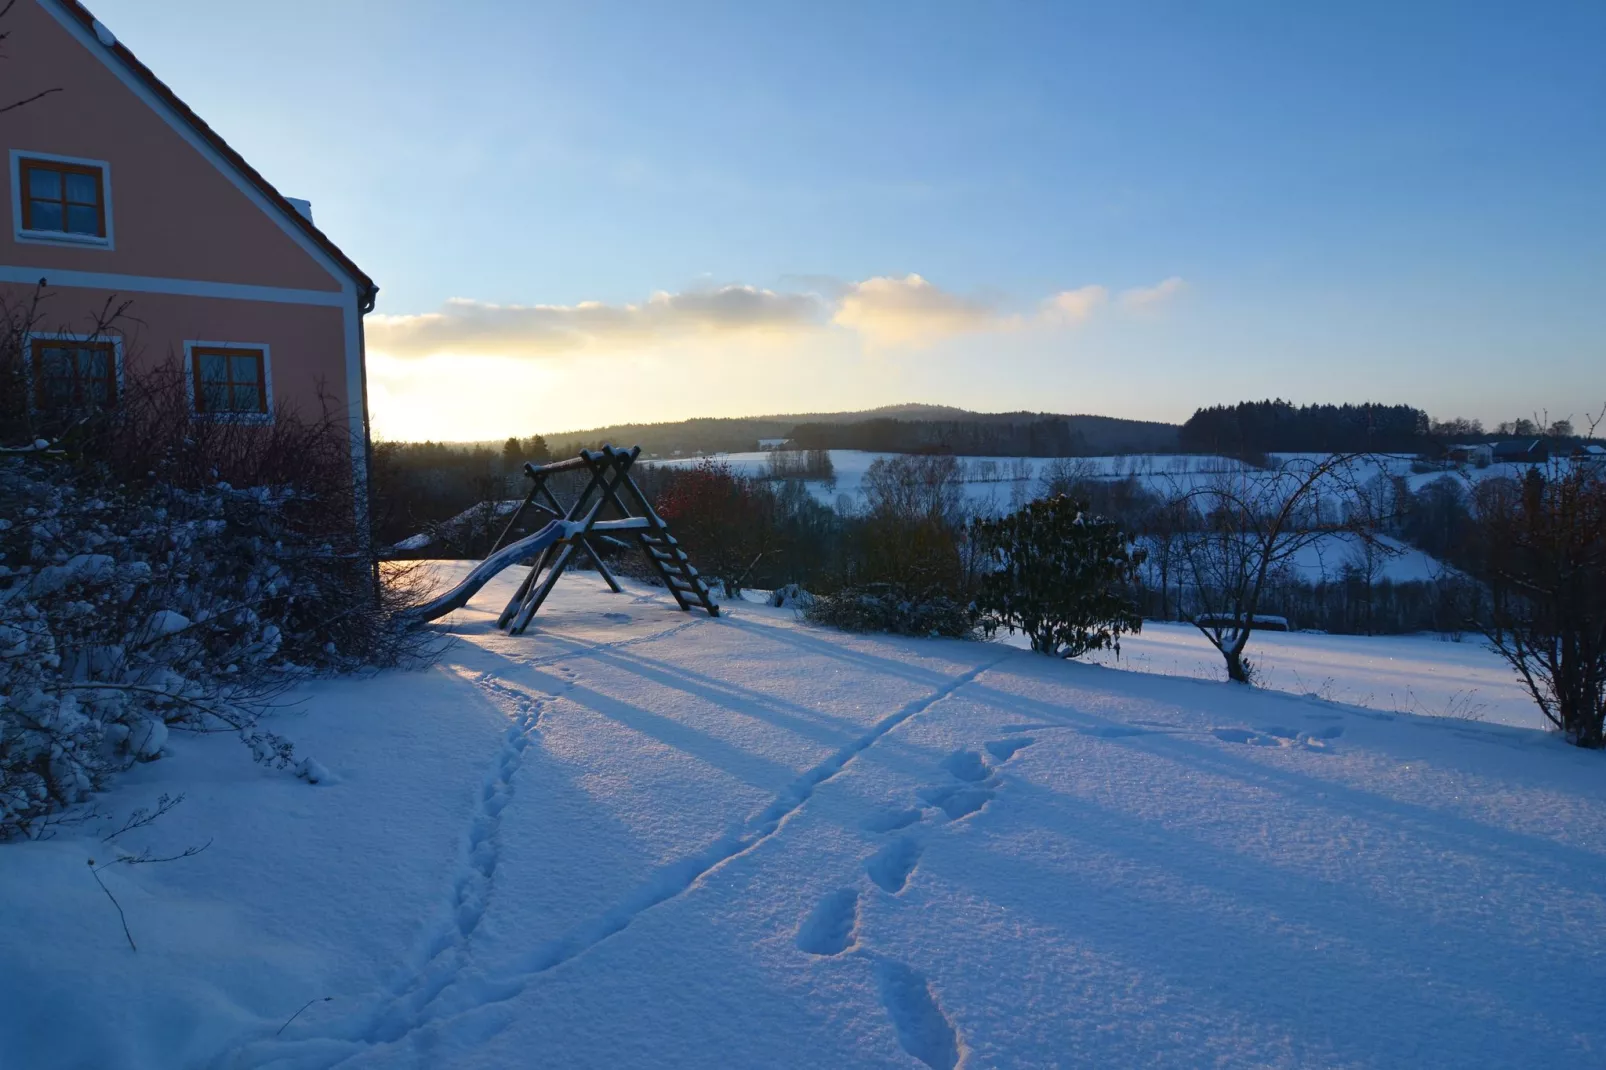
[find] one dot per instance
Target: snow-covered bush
(790, 596)
(162, 572)
(884, 608)
(126, 611)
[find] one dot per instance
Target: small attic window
(61, 200)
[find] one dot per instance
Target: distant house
(772, 443)
(1478, 454)
(1592, 454)
(1522, 451)
(119, 192)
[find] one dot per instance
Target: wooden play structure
(577, 529)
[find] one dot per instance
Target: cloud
(1144, 298)
(890, 311)
(885, 312)
(466, 326)
(1074, 306)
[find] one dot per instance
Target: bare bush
(1543, 558)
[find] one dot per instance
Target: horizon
(1131, 213)
(1583, 429)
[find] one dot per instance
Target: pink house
(118, 191)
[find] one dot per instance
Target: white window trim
(67, 336)
(230, 417)
(55, 237)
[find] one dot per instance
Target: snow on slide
(633, 839)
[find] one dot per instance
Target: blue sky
(849, 205)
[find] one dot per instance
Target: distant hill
(1004, 434)
(891, 428)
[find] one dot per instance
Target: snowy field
(987, 484)
(1421, 674)
(639, 838)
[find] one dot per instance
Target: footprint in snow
(966, 765)
(958, 800)
(1005, 749)
(891, 867)
(892, 820)
(1114, 731)
(1276, 736)
(1243, 735)
(830, 928)
(924, 1031)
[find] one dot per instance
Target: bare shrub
(1543, 558)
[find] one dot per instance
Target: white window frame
(230, 417)
(67, 336)
(56, 237)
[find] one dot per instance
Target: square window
(63, 198)
(79, 375)
(231, 380)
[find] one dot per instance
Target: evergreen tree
(1060, 577)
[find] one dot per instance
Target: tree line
(1277, 426)
(1009, 435)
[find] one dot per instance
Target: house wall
(175, 214)
(156, 326)
(197, 250)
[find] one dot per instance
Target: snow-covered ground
(1422, 674)
(638, 838)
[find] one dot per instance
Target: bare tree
(1246, 527)
(1065, 477)
(915, 487)
(1543, 549)
(1162, 529)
